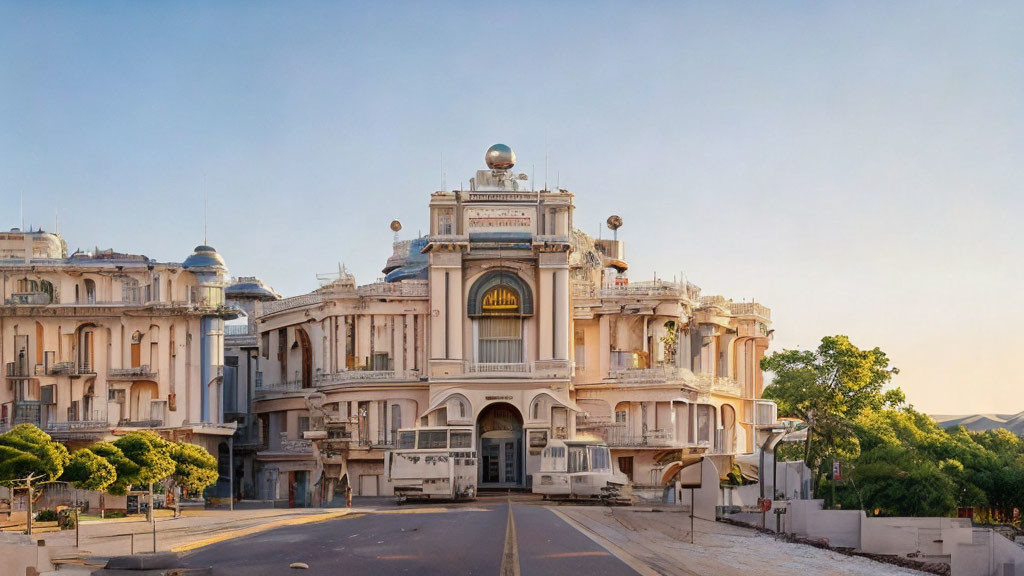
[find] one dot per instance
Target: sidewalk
(196, 528)
(660, 540)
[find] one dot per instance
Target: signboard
(836, 471)
(498, 220)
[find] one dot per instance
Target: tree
(28, 451)
(88, 470)
(29, 457)
(828, 388)
(194, 467)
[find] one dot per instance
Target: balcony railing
(640, 376)
(126, 423)
(359, 376)
(17, 370)
(61, 368)
(622, 437)
(136, 372)
(77, 426)
(264, 389)
(30, 299)
(498, 368)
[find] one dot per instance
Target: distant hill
(1012, 422)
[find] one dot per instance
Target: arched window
(90, 291)
(500, 327)
(130, 291)
(136, 349)
(539, 408)
(47, 288)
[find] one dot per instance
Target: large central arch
(500, 433)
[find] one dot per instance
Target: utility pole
(28, 520)
(231, 473)
(152, 515)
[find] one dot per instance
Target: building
(241, 370)
(508, 319)
(94, 345)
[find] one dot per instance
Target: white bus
(580, 470)
(433, 463)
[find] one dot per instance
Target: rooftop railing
(275, 306)
(406, 288)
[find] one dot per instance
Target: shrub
(46, 516)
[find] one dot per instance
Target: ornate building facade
(97, 344)
(507, 319)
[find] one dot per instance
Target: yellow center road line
(510, 556)
(232, 534)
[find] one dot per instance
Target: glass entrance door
(499, 461)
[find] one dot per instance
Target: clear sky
(856, 166)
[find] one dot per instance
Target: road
(476, 539)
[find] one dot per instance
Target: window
(580, 356)
(130, 291)
(444, 223)
(303, 425)
(578, 460)
(407, 440)
(90, 291)
(396, 419)
(620, 416)
(501, 340)
(432, 439)
(705, 422)
(462, 439)
(600, 459)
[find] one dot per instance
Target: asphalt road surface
(416, 540)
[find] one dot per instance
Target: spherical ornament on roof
(500, 157)
(204, 257)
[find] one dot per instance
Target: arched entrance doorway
(500, 430)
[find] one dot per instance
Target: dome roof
(250, 287)
(205, 257)
(500, 157)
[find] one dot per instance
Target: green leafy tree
(27, 451)
(150, 454)
(194, 467)
(126, 471)
(828, 388)
(29, 457)
(88, 470)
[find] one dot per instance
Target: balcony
(17, 370)
(30, 299)
(619, 436)
(498, 368)
(263, 390)
(60, 368)
(647, 376)
(135, 373)
(126, 423)
(357, 377)
(79, 429)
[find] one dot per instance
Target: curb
(238, 533)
